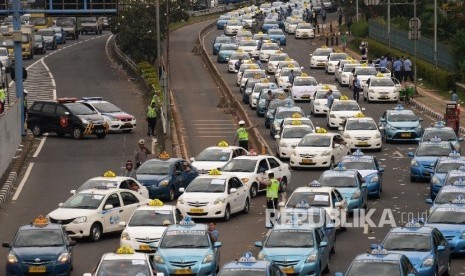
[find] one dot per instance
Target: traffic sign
(414, 23)
(414, 35)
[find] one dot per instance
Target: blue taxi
(400, 124)
(225, 52)
(248, 265)
(444, 165)
(449, 218)
(426, 247)
(297, 249)
(221, 22)
(443, 132)
(277, 35)
(454, 175)
(448, 193)
(40, 248)
(220, 40)
(369, 169)
(426, 156)
(164, 176)
(282, 112)
(186, 248)
(381, 263)
(269, 117)
(270, 23)
(349, 183)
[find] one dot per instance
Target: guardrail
(227, 98)
(122, 56)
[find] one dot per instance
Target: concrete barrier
(10, 136)
(7, 187)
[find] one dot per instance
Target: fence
(10, 135)
(425, 46)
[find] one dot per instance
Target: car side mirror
(232, 190)
(108, 207)
(6, 244)
(363, 109)
(460, 139)
(373, 246)
(217, 244)
(420, 119)
(72, 192)
(410, 154)
(337, 145)
(330, 226)
(428, 201)
(441, 248)
(192, 159)
(122, 224)
(72, 243)
(276, 137)
(311, 55)
(87, 274)
(258, 244)
(364, 185)
(323, 244)
(182, 190)
(382, 120)
(340, 128)
(380, 169)
(380, 127)
(66, 113)
(60, 204)
(338, 204)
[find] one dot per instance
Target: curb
(6, 189)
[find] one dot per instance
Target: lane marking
(39, 148)
(23, 181)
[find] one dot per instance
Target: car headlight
(428, 262)
(113, 118)
(311, 258)
(220, 200)
(84, 121)
(414, 163)
(375, 179)
(317, 103)
(245, 180)
(463, 235)
(332, 116)
(158, 259)
(371, 90)
(346, 135)
(326, 153)
(64, 257)
(164, 183)
(208, 259)
(283, 144)
(181, 200)
(80, 220)
(377, 135)
(125, 236)
(355, 195)
(418, 127)
(435, 180)
(261, 256)
(390, 127)
(277, 126)
(12, 259)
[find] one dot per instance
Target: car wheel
(37, 130)
(254, 190)
(413, 179)
(95, 232)
(77, 133)
(447, 272)
(227, 213)
(171, 194)
(283, 185)
(246, 206)
(378, 194)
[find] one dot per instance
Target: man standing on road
(242, 135)
(339, 19)
(141, 153)
(397, 66)
(291, 77)
(329, 96)
(151, 119)
(2, 99)
(408, 73)
(357, 88)
(212, 232)
(130, 172)
(272, 191)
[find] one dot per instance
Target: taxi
(282, 77)
(445, 133)
(291, 23)
(303, 87)
(380, 88)
(454, 175)
(321, 149)
(245, 66)
(288, 62)
(318, 100)
(361, 132)
(225, 52)
(304, 213)
(246, 90)
(251, 72)
(93, 212)
(221, 21)
(344, 74)
(272, 106)
(304, 30)
(448, 193)
(215, 195)
(297, 120)
(349, 183)
(277, 35)
(380, 262)
(40, 247)
(163, 176)
(274, 60)
(215, 157)
(269, 23)
(125, 261)
(236, 56)
(369, 168)
(220, 40)
(425, 158)
(333, 62)
(232, 27)
(263, 101)
(186, 248)
(444, 165)
(147, 224)
(289, 138)
(248, 168)
(248, 265)
(400, 124)
(268, 48)
(363, 73)
(319, 57)
(341, 110)
(449, 218)
(243, 34)
(247, 45)
(263, 84)
(280, 114)
(117, 119)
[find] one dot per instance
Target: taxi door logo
(64, 121)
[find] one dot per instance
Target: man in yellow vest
(272, 191)
(2, 99)
(151, 119)
(242, 135)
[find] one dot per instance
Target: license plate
(362, 143)
(305, 96)
(289, 269)
(127, 124)
(384, 97)
(145, 247)
(183, 271)
(406, 135)
(307, 161)
(37, 269)
(321, 64)
(196, 210)
(99, 131)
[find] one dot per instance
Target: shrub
(150, 76)
(360, 28)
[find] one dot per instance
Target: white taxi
(215, 157)
(333, 62)
(290, 25)
(251, 73)
(341, 110)
(91, 213)
(318, 100)
(290, 137)
(248, 168)
(257, 89)
(147, 224)
(232, 27)
(243, 34)
(319, 57)
(245, 66)
(282, 78)
(236, 56)
(321, 149)
(274, 60)
(344, 72)
(363, 73)
(286, 63)
(214, 196)
(267, 49)
(304, 87)
(361, 132)
(381, 88)
(247, 45)
(304, 30)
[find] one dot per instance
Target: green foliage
(360, 28)
(149, 74)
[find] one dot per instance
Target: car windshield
(335, 57)
(39, 238)
(368, 71)
(361, 124)
(380, 268)
(285, 64)
(275, 32)
(207, 185)
(3, 52)
(270, 46)
(407, 242)
(88, 20)
(237, 56)
(345, 106)
(448, 196)
(155, 168)
(312, 198)
(381, 82)
(322, 52)
(287, 114)
(251, 74)
(79, 109)
(359, 165)
(258, 36)
(276, 94)
(290, 238)
(338, 181)
(349, 67)
(185, 239)
(287, 71)
(240, 165)
(84, 201)
(315, 141)
(305, 82)
(295, 21)
(216, 155)
(278, 57)
(46, 32)
(224, 17)
(304, 27)
(243, 272)
(296, 132)
(94, 183)
(251, 83)
(453, 215)
(402, 117)
(105, 107)
(445, 167)
(248, 43)
(38, 38)
(37, 21)
(234, 23)
(451, 179)
(433, 149)
(65, 22)
(151, 218)
(124, 268)
(270, 21)
(443, 134)
(222, 39)
(322, 94)
(226, 47)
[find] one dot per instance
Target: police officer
(2, 99)
(130, 172)
(272, 191)
(242, 135)
(141, 153)
(151, 118)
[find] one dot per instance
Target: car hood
(43, 253)
(365, 173)
(184, 254)
(345, 113)
(304, 89)
(208, 165)
(70, 213)
(281, 253)
(142, 232)
(369, 133)
(93, 117)
(119, 115)
(204, 197)
(150, 179)
(426, 160)
(347, 192)
(404, 124)
(311, 150)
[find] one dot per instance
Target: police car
(238, 55)
(280, 114)
(448, 193)
(282, 77)
(318, 101)
(426, 247)
(400, 124)
(117, 119)
(425, 157)
(215, 157)
(344, 74)
(304, 30)
(40, 248)
(214, 196)
(232, 27)
(274, 60)
(363, 73)
(334, 61)
(186, 248)
(91, 213)
(361, 132)
(381, 88)
(303, 87)
(248, 265)
(125, 262)
(147, 224)
(319, 57)
(341, 110)
(290, 137)
(319, 149)
(369, 168)
(443, 132)
(443, 166)
(267, 49)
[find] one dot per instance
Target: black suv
(65, 116)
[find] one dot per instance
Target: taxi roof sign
(321, 130)
(340, 167)
(379, 250)
(359, 115)
(164, 155)
(454, 154)
(304, 75)
(282, 96)
(344, 98)
(435, 139)
(40, 221)
(125, 250)
(379, 75)
(314, 183)
(214, 172)
(155, 202)
(296, 122)
(460, 199)
(109, 174)
(412, 224)
(399, 107)
(187, 221)
(223, 144)
(296, 115)
(439, 124)
(357, 152)
(459, 182)
(247, 258)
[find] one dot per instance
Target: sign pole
(18, 61)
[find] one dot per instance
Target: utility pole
(389, 23)
(157, 15)
(356, 10)
(17, 35)
(415, 47)
(436, 33)
(167, 72)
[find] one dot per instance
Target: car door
(141, 189)
(442, 257)
(363, 188)
(188, 173)
(233, 197)
(325, 251)
(112, 217)
(130, 204)
(177, 177)
(48, 119)
(261, 172)
(276, 168)
(242, 192)
(338, 148)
